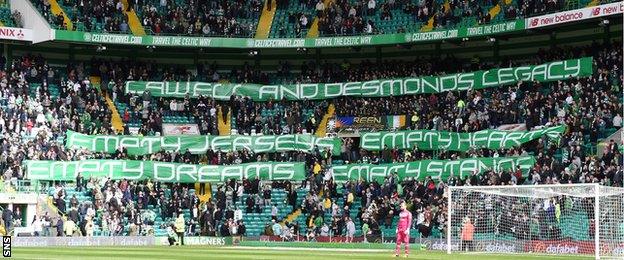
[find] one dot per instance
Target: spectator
(467, 234)
(179, 228)
(276, 228)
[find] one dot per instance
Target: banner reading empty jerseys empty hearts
(141, 145)
(440, 140)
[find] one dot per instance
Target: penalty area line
(309, 249)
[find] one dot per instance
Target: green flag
(552, 71)
(162, 171)
(438, 170)
(141, 145)
(442, 140)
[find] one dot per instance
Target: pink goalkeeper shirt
(405, 220)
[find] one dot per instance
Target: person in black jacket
(250, 204)
(292, 199)
(242, 230)
(7, 217)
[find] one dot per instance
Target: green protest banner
(141, 145)
(438, 170)
(552, 71)
(244, 43)
(162, 171)
(441, 140)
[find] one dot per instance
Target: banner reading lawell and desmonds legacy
(434, 140)
(162, 171)
(438, 170)
(557, 70)
(141, 145)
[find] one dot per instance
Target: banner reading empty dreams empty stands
(141, 145)
(162, 171)
(434, 140)
(438, 170)
(557, 70)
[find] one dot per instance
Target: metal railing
(21, 186)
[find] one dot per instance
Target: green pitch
(205, 252)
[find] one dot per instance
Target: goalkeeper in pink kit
(403, 229)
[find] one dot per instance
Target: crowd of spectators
(239, 18)
(345, 17)
(87, 15)
(127, 207)
(202, 18)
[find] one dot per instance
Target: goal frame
(596, 197)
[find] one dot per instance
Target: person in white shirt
(617, 120)
(320, 7)
(239, 192)
(369, 28)
(350, 230)
(569, 99)
(89, 227)
(274, 212)
(371, 6)
(37, 226)
(352, 12)
(303, 20)
(238, 214)
(324, 230)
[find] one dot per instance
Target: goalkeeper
(467, 234)
(403, 229)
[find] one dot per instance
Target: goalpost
(563, 219)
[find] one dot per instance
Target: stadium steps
(290, 218)
(593, 3)
(225, 128)
(429, 26)
(494, 11)
(314, 32)
(266, 20)
(203, 198)
(115, 117)
(49, 204)
(133, 20)
(57, 9)
(322, 128)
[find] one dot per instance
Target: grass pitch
(205, 252)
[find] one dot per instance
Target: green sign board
(338, 41)
(438, 170)
(441, 140)
(141, 145)
(557, 70)
(162, 171)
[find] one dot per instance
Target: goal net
(565, 219)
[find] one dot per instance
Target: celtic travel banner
(557, 70)
(438, 170)
(338, 41)
(162, 171)
(434, 140)
(141, 145)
